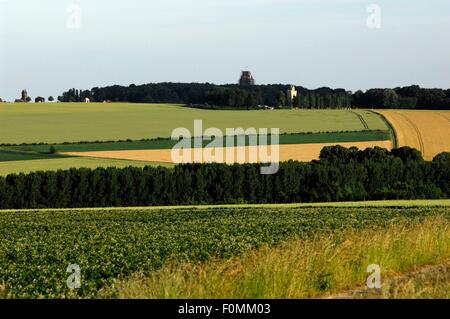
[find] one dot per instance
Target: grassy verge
(392, 131)
(431, 282)
(307, 268)
(416, 203)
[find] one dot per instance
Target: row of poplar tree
(340, 175)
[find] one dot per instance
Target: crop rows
(36, 247)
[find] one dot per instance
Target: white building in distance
(292, 93)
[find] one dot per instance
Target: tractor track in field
(362, 120)
(419, 135)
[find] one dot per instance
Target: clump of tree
(443, 158)
(75, 95)
(323, 98)
(410, 97)
(24, 98)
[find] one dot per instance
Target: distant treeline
(340, 175)
(210, 95)
(245, 97)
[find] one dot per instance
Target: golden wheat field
(299, 152)
(427, 131)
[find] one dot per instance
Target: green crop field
(36, 247)
(54, 164)
(74, 122)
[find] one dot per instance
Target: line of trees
(28, 99)
(210, 95)
(410, 97)
(340, 175)
(235, 96)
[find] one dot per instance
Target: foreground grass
(37, 246)
(54, 164)
(310, 268)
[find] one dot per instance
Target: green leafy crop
(37, 247)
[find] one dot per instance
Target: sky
(49, 46)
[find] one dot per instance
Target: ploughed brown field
(299, 152)
(427, 131)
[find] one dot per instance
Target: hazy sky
(312, 43)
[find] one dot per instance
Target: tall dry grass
(3, 291)
(299, 269)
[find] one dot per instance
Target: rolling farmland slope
(120, 134)
(427, 131)
(74, 122)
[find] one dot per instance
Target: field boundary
(368, 204)
(392, 131)
(167, 143)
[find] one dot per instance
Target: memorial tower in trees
(246, 79)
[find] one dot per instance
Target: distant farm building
(246, 79)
